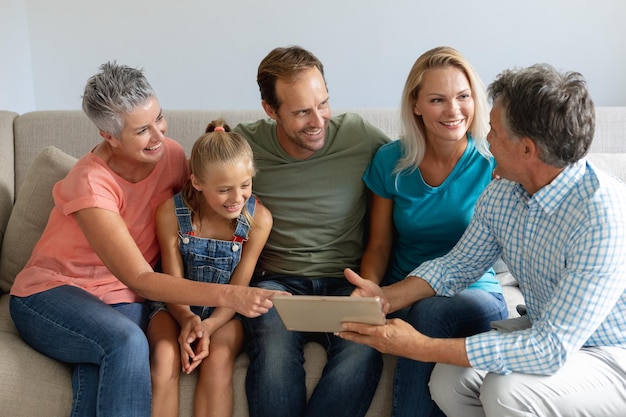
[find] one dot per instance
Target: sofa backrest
(72, 132)
(610, 134)
(23, 137)
(7, 169)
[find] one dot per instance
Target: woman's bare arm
(109, 237)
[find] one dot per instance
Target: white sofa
(33, 385)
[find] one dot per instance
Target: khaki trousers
(592, 383)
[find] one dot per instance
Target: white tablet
(312, 313)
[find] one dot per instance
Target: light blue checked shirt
(566, 246)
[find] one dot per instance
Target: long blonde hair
(413, 130)
(218, 145)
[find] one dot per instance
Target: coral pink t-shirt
(64, 257)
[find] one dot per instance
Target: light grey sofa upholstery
(33, 385)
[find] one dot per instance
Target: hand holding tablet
(312, 313)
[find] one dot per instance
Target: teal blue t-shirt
(429, 220)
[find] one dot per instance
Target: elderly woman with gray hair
(79, 299)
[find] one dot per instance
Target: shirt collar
(550, 196)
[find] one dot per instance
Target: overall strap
(183, 215)
(243, 227)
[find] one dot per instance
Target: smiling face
(141, 139)
(225, 187)
(143, 132)
(445, 104)
(139, 146)
(303, 115)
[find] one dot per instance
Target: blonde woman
(424, 189)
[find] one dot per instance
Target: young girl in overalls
(212, 231)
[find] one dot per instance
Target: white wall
(204, 54)
(16, 78)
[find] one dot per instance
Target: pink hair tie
(219, 129)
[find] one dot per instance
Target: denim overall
(209, 260)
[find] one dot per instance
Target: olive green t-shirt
(319, 204)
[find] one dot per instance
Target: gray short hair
(115, 90)
(552, 108)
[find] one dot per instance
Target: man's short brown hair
(283, 63)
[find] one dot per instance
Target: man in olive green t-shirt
(309, 175)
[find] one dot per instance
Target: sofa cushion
(30, 213)
(613, 163)
(7, 168)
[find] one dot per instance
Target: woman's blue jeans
(469, 312)
(276, 378)
(106, 343)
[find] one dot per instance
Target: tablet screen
(312, 313)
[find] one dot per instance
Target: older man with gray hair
(559, 224)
